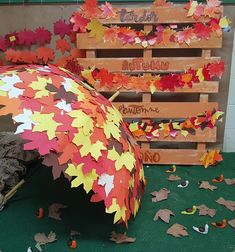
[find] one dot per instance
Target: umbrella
(77, 131)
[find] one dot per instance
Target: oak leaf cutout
(174, 178)
(177, 230)
(204, 210)
(229, 181)
(232, 223)
(160, 195)
(207, 185)
(121, 238)
(54, 210)
(164, 215)
(42, 239)
(227, 203)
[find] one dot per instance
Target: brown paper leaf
(227, 203)
(121, 238)
(207, 185)
(177, 230)
(232, 223)
(229, 181)
(174, 178)
(54, 210)
(42, 239)
(204, 210)
(164, 215)
(160, 195)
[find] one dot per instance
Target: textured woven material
(20, 222)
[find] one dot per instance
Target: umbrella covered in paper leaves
(77, 131)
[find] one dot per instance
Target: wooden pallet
(159, 110)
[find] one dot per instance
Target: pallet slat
(164, 15)
(152, 65)
(206, 136)
(172, 156)
(86, 42)
(163, 109)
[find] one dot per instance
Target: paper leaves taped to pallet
(79, 133)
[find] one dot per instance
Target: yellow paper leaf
(74, 88)
(152, 88)
(94, 149)
(87, 74)
(96, 29)
(184, 133)
(224, 22)
(2, 93)
(192, 8)
(136, 207)
(40, 85)
(133, 126)
(87, 180)
(120, 213)
(200, 75)
(126, 159)
(45, 122)
(110, 129)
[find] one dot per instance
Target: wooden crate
(161, 110)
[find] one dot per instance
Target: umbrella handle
(113, 97)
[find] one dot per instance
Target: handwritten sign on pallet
(146, 65)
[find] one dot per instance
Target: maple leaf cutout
(43, 36)
(164, 215)
(162, 3)
(121, 238)
(90, 9)
(62, 45)
(185, 36)
(79, 22)
(107, 11)
(12, 55)
(61, 28)
(177, 230)
(202, 31)
(216, 69)
(3, 46)
(27, 37)
(96, 29)
(45, 54)
(106, 78)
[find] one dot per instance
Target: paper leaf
(107, 11)
(192, 8)
(185, 36)
(160, 195)
(25, 120)
(106, 78)
(174, 178)
(3, 46)
(42, 239)
(162, 3)
(28, 57)
(121, 238)
(211, 158)
(232, 223)
(229, 181)
(96, 29)
(27, 37)
(216, 69)
(11, 39)
(54, 210)
(207, 185)
(202, 31)
(90, 9)
(164, 215)
(12, 55)
(79, 22)
(204, 210)
(177, 230)
(39, 141)
(61, 28)
(62, 45)
(43, 36)
(45, 54)
(227, 203)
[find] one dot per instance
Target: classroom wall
(14, 18)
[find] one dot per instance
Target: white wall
(229, 136)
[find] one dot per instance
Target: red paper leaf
(202, 31)
(43, 35)
(28, 57)
(61, 28)
(106, 78)
(3, 46)
(107, 10)
(45, 54)
(39, 141)
(12, 55)
(79, 22)
(185, 36)
(11, 39)
(62, 45)
(216, 69)
(27, 37)
(90, 8)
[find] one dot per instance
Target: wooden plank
(203, 87)
(172, 156)
(139, 65)
(153, 15)
(162, 109)
(207, 135)
(86, 42)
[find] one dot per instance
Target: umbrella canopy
(79, 133)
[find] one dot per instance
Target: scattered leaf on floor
(227, 203)
(121, 238)
(174, 178)
(207, 185)
(42, 239)
(204, 210)
(54, 210)
(177, 230)
(229, 181)
(232, 223)
(160, 195)
(164, 215)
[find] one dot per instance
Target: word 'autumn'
(149, 157)
(131, 16)
(137, 109)
(140, 64)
